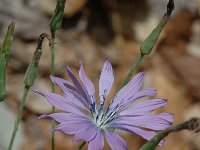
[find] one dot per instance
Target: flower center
(104, 117)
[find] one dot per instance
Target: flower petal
(63, 117)
(69, 95)
(67, 128)
(86, 133)
(148, 135)
(144, 93)
(154, 122)
(115, 141)
(72, 126)
(77, 95)
(142, 107)
(61, 103)
(60, 82)
(141, 94)
(76, 83)
(59, 117)
(129, 90)
(97, 143)
(87, 83)
(106, 81)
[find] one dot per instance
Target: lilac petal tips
(88, 121)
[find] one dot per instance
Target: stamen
(109, 118)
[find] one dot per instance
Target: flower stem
(19, 117)
(193, 124)
(149, 43)
(55, 24)
(30, 76)
(81, 146)
(53, 123)
(132, 70)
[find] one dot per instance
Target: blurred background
(92, 31)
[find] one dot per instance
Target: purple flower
(90, 122)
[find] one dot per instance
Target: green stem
(19, 117)
(52, 58)
(53, 123)
(132, 70)
(81, 146)
(192, 124)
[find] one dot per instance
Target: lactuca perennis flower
(90, 122)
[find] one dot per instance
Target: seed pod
(4, 55)
(56, 20)
(32, 71)
(148, 44)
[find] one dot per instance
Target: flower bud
(57, 17)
